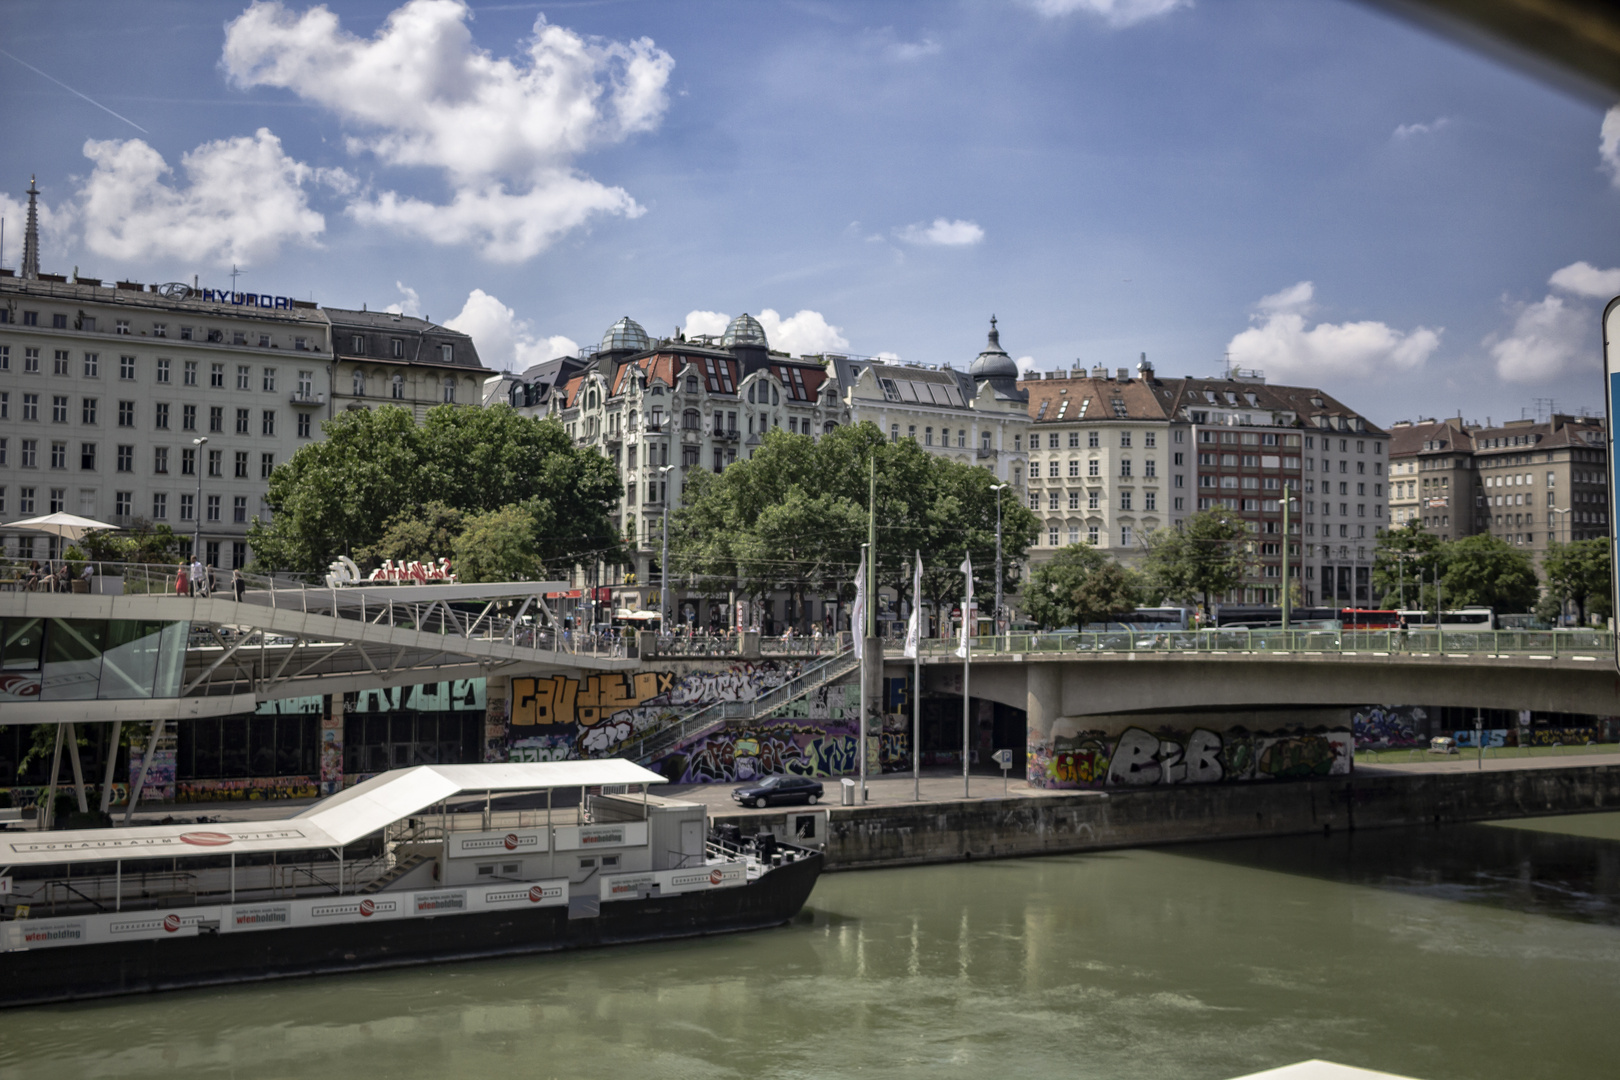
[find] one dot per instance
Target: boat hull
(81, 972)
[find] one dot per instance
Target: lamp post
(663, 562)
(196, 539)
(998, 489)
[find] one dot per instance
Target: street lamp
(663, 564)
(998, 489)
(196, 541)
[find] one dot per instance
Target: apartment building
(1432, 477)
(383, 358)
(166, 402)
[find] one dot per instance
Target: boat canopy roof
(359, 811)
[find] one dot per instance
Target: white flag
(914, 629)
(857, 618)
(967, 606)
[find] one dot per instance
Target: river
(1476, 951)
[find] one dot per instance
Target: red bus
(1369, 619)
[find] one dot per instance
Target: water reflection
(1204, 962)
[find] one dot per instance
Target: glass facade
(90, 659)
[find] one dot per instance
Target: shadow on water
(1534, 870)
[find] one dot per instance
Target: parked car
(778, 789)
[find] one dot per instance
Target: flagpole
(967, 655)
(866, 704)
(916, 683)
(876, 659)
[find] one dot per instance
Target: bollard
(847, 792)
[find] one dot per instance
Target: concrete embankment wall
(931, 832)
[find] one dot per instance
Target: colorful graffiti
(1388, 727)
(562, 718)
(783, 746)
(253, 789)
(1139, 758)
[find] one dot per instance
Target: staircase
(657, 741)
(399, 870)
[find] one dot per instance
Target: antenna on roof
(234, 273)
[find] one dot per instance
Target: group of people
(195, 579)
(52, 577)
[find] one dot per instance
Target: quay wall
(904, 834)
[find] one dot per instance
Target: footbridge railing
(1457, 644)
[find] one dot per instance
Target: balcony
(726, 435)
(306, 397)
(986, 452)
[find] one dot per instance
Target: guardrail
(1550, 643)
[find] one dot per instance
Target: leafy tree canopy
(380, 480)
(1486, 571)
(1579, 573)
(1405, 559)
(1207, 557)
(1080, 584)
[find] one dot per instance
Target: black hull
(82, 972)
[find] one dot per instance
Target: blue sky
(1318, 189)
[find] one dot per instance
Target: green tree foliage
(416, 532)
(1078, 585)
(500, 545)
(1407, 560)
(794, 515)
(1486, 571)
(344, 495)
(1579, 573)
(142, 542)
(1207, 557)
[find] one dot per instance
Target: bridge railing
(1552, 643)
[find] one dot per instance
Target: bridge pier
(1044, 705)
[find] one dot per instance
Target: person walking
(181, 581)
(238, 584)
(199, 584)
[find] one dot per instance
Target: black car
(778, 789)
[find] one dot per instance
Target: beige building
(1432, 477)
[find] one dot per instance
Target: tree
(142, 542)
(420, 532)
(500, 545)
(1579, 573)
(1405, 559)
(1486, 571)
(342, 495)
(1207, 557)
(1078, 585)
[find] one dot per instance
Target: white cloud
(1546, 338)
(803, 332)
(906, 52)
(1609, 143)
(504, 341)
(1412, 131)
(1280, 343)
(942, 233)
(887, 357)
(1584, 279)
(411, 304)
(504, 131)
(244, 199)
(1026, 364)
(55, 229)
(1113, 12)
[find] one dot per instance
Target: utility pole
(196, 542)
(663, 562)
(872, 661)
(1285, 597)
(998, 489)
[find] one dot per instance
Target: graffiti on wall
(783, 747)
(254, 789)
(1138, 757)
(562, 718)
(1388, 727)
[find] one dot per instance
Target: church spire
(30, 259)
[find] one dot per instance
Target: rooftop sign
(179, 290)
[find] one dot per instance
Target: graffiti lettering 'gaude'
(564, 700)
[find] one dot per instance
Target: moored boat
(404, 868)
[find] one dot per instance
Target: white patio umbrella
(68, 526)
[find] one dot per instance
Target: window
(984, 441)
(1034, 500)
(1051, 468)
(213, 508)
(449, 389)
(1074, 440)
(1150, 467)
(5, 352)
(185, 333)
(30, 361)
(1052, 536)
(30, 407)
(160, 459)
(1124, 466)
(59, 409)
(238, 337)
(1093, 440)
(25, 503)
(188, 461)
(1093, 499)
(216, 463)
(216, 418)
(267, 464)
(58, 455)
(1074, 467)
(359, 382)
(396, 387)
(59, 363)
(303, 425)
(447, 354)
(160, 329)
(87, 456)
(306, 384)
(122, 501)
(58, 500)
(357, 345)
(1150, 500)
(87, 410)
(1150, 439)
(216, 376)
(5, 405)
(1124, 536)
(1052, 500)
(1124, 438)
(241, 464)
(126, 457)
(1125, 500)
(244, 376)
(188, 418)
(267, 423)
(160, 507)
(188, 507)
(92, 365)
(242, 416)
(162, 371)
(1074, 500)
(30, 318)
(928, 436)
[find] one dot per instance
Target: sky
(1317, 189)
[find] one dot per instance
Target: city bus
(1452, 620)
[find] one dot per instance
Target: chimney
(1099, 372)
(1143, 368)
(1124, 374)
(30, 259)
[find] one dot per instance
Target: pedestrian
(210, 577)
(32, 581)
(199, 584)
(180, 580)
(238, 584)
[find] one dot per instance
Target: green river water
(1469, 951)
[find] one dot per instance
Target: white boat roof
(1321, 1070)
(333, 822)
